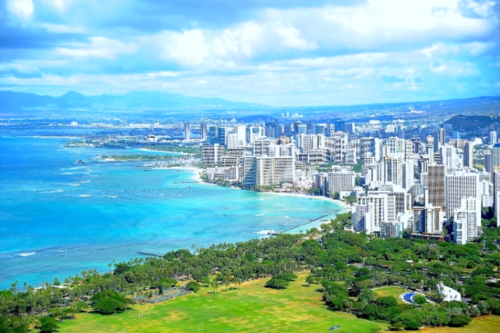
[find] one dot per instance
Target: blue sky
(276, 52)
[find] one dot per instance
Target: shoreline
(343, 207)
(194, 170)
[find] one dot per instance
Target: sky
(274, 52)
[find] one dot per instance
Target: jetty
(274, 233)
(150, 254)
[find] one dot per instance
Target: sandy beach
(194, 170)
(344, 205)
(162, 151)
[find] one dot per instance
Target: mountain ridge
(15, 101)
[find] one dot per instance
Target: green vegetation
(347, 267)
(393, 291)
(48, 324)
(109, 302)
(196, 151)
(140, 157)
(250, 308)
(419, 299)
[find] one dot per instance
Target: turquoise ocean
(58, 217)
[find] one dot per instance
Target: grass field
(390, 291)
(251, 308)
(486, 324)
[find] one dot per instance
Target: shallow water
(58, 217)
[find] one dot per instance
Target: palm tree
(214, 284)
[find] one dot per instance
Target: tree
(48, 324)
(397, 327)
(310, 279)
(459, 321)
(109, 306)
(419, 299)
(412, 326)
(193, 286)
(387, 301)
(214, 284)
(276, 283)
(82, 306)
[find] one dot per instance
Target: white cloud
(441, 50)
(291, 38)
(483, 9)
(222, 48)
(61, 28)
(454, 69)
(20, 8)
(99, 47)
(186, 48)
(59, 5)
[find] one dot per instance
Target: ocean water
(58, 217)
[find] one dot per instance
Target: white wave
(67, 173)
(286, 217)
(85, 195)
(54, 191)
(27, 254)
(259, 214)
(112, 196)
(63, 251)
(266, 232)
(73, 184)
(84, 181)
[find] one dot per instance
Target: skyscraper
(442, 136)
(495, 157)
(460, 184)
(469, 155)
(436, 185)
(493, 137)
(187, 132)
(203, 131)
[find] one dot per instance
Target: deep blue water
(58, 218)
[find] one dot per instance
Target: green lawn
(390, 291)
(485, 324)
(251, 308)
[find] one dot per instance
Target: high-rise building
(241, 132)
(448, 156)
(187, 132)
(339, 180)
(487, 161)
(436, 185)
(467, 221)
(495, 157)
(493, 137)
(460, 184)
(212, 154)
(496, 196)
(442, 136)
(266, 171)
(212, 134)
(436, 142)
(408, 174)
(203, 131)
(393, 170)
(372, 210)
(337, 145)
(350, 128)
(261, 147)
(222, 133)
(469, 155)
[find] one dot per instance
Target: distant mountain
(137, 101)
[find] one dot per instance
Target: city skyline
(290, 53)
